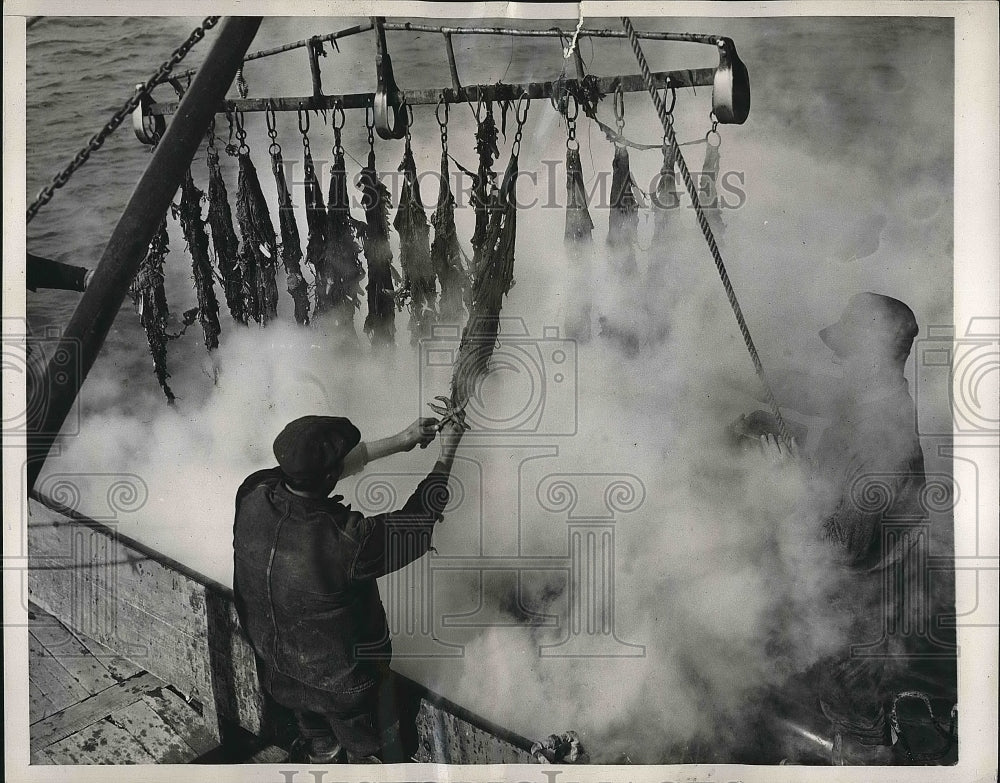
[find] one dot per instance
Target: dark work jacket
(871, 458)
(872, 465)
(304, 577)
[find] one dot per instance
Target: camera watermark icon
(531, 387)
(589, 505)
(969, 368)
(123, 493)
(48, 364)
(901, 506)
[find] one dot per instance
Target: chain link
(272, 131)
(714, 130)
(521, 116)
(97, 140)
(306, 151)
(571, 115)
(370, 125)
(442, 123)
(241, 135)
(339, 118)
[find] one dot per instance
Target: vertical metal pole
(452, 65)
(100, 303)
(317, 79)
(578, 60)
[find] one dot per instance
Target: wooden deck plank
(73, 656)
(176, 652)
(183, 719)
(78, 716)
(52, 679)
(120, 668)
(39, 705)
(99, 743)
(158, 738)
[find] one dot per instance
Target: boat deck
(89, 705)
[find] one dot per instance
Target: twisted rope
(706, 229)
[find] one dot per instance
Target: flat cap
(871, 320)
(310, 447)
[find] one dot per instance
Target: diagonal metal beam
(96, 311)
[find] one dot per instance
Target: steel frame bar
(552, 32)
(698, 77)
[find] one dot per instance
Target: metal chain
(571, 115)
(715, 130)
(370, 126)
(241, 135)
(272, 131)
(521, 115)
(338, 124)
(304, 130)
(442, 123)
(706, 229)
(97, 140)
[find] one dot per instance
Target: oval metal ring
(571, 100)
(521, 110)
(370, 115)
(437, 111)
(673, 98)
(270, 118)
(619, 103)
(303, 114)
(339, 117)
(148, 128)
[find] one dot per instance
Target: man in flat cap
(868, 472)
(304, 576)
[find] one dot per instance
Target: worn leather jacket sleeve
(392, 540)
(865, 503)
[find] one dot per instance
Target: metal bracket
(148, 127)
(390, 115)
(731, 86)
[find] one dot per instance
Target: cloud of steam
(722, 553)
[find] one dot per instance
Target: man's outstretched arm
(397, 538)
(420, 433)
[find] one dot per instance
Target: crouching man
(305, 567)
